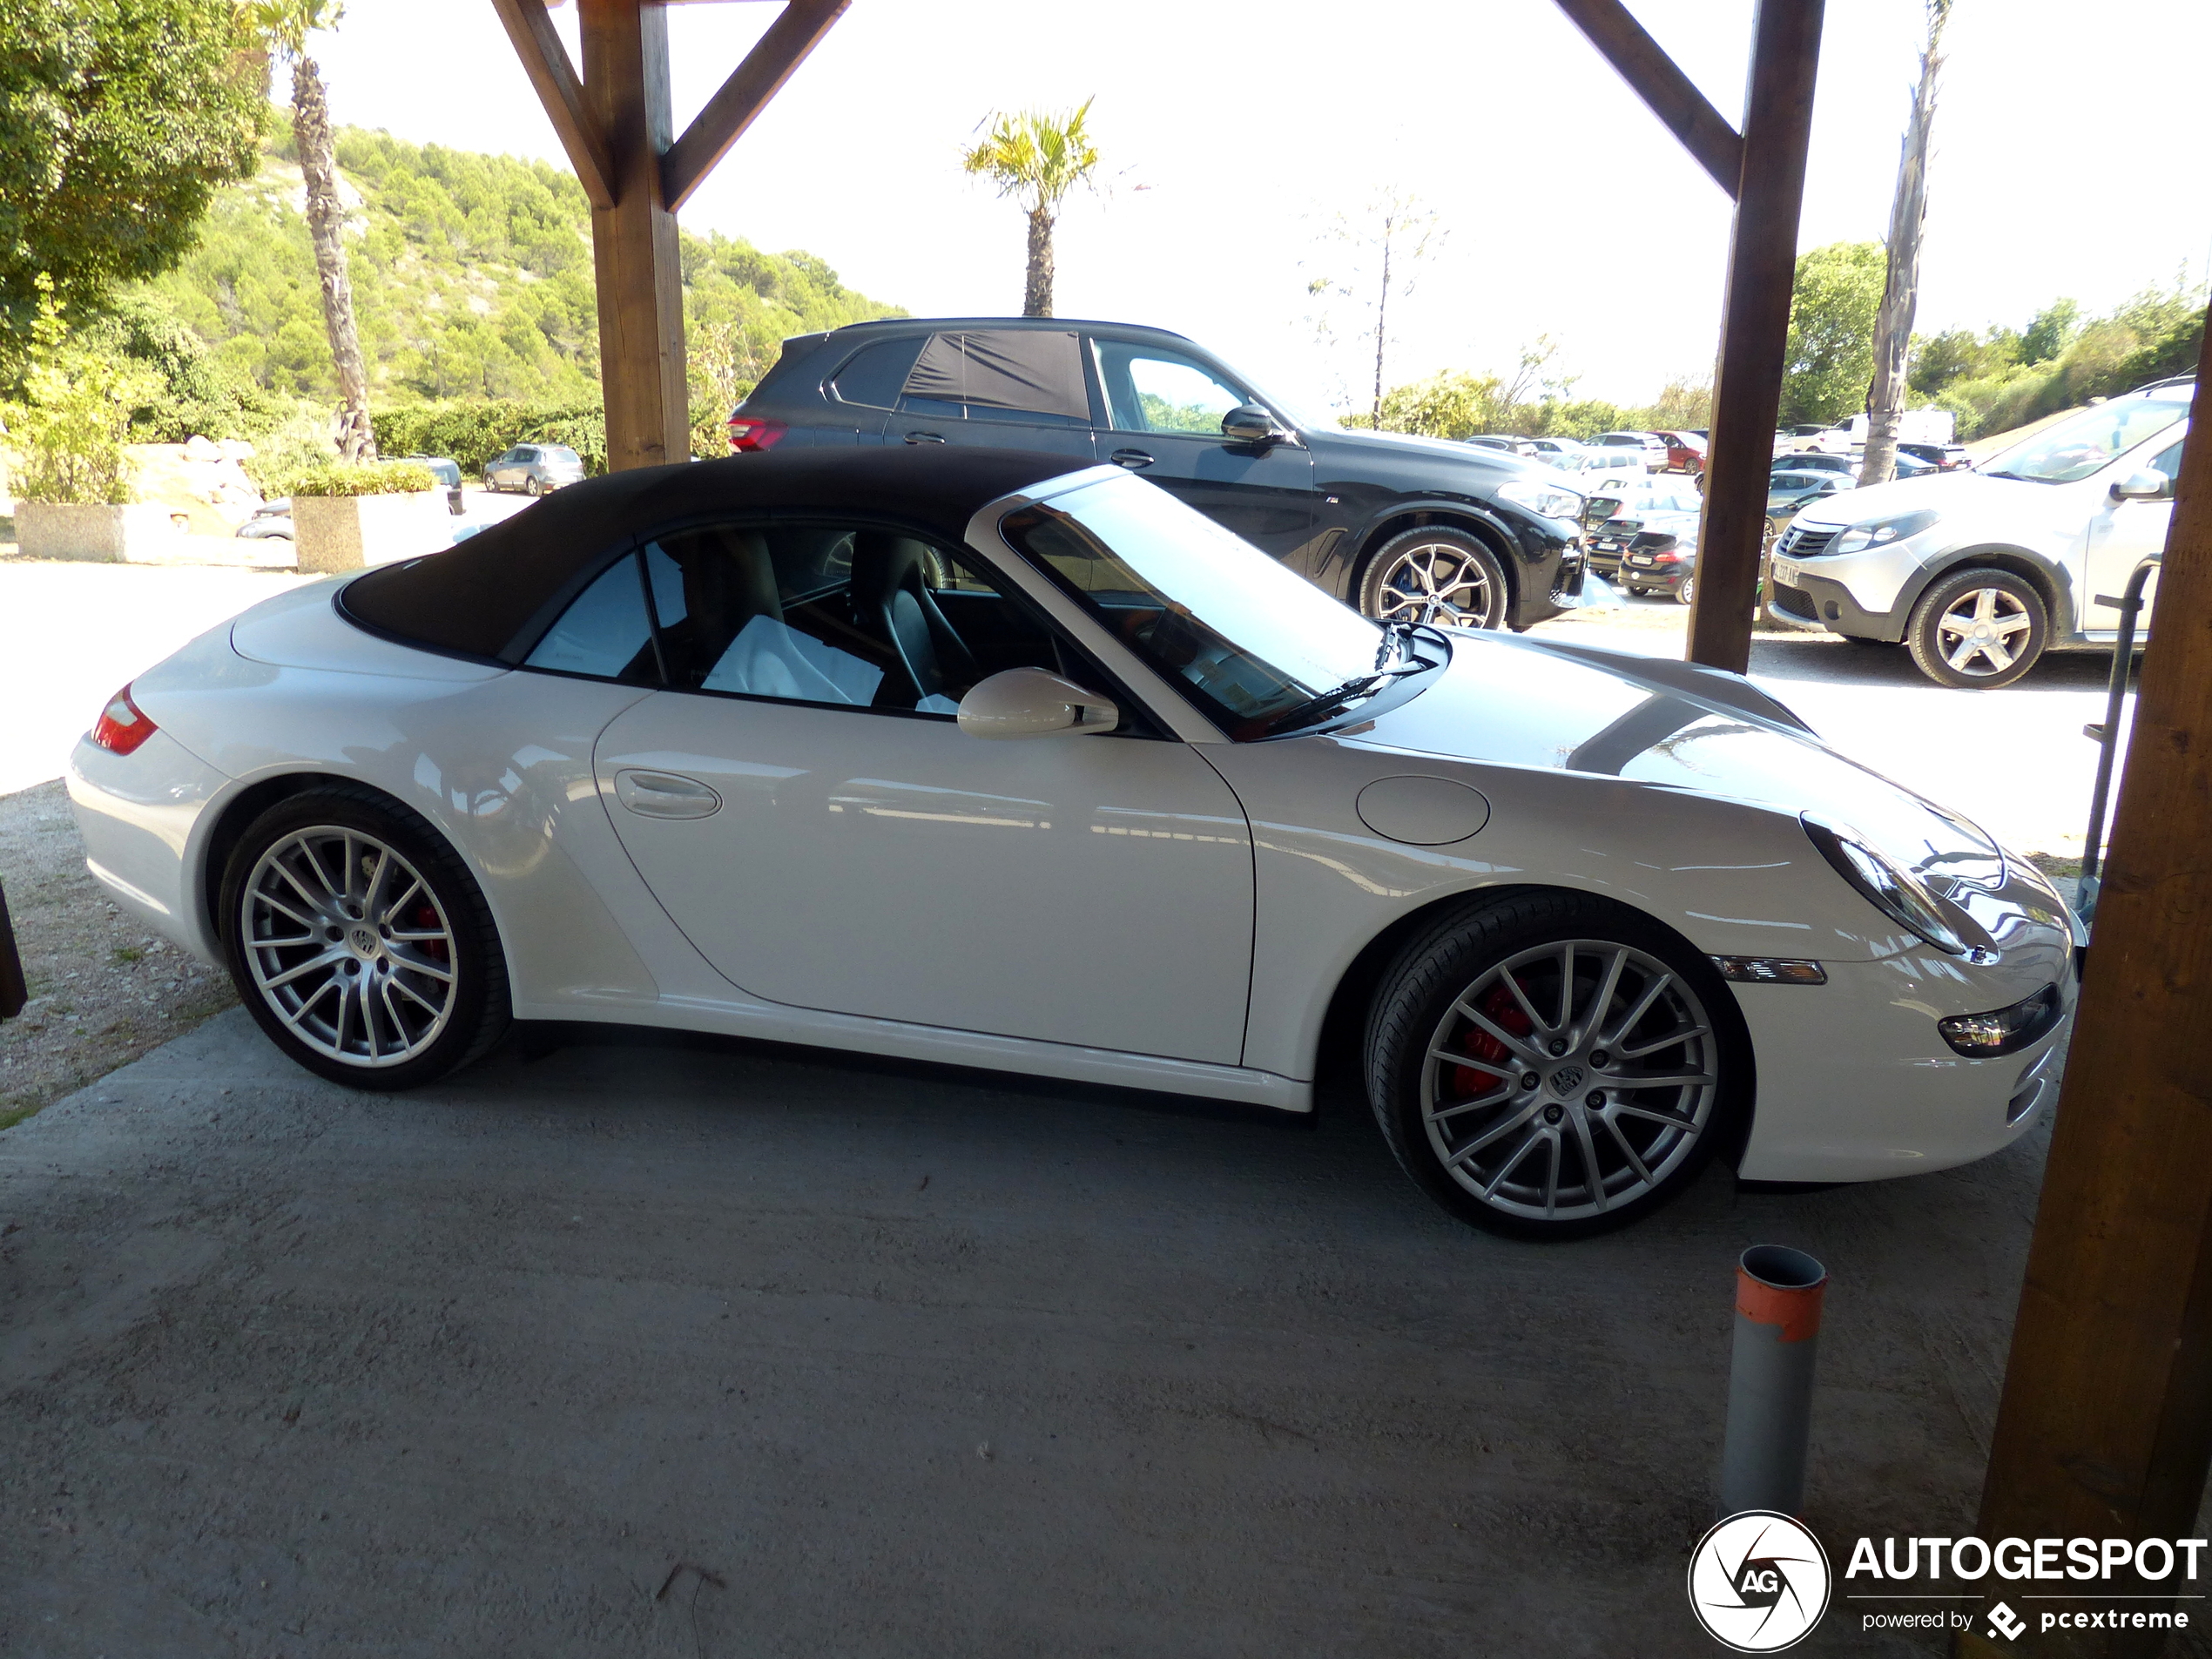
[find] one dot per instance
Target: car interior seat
(727, 580)
(892, 601)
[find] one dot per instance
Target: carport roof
(479, 598)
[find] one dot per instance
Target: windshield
(1247, 639)
(2073, 449)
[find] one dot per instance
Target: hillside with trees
(472, 278)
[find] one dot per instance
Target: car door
(863, 390)
(999, 388)
(510, 468)
(2122, 535)
(1163, 413)
(802, 804)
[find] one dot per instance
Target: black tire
(1945, 649)
(1435, 574)
(1686, 591)
(1642, 1145)
(420, 980)
(532, 487)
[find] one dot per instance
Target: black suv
(1412, 528)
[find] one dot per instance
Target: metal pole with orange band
(1769, 1379)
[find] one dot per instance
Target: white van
(1979, 573)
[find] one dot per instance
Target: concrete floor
(713, 1349)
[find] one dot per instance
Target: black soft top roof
(491, 595)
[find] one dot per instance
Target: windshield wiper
(2018, 477)
(1361, 685)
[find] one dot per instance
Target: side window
(874, 375)
(1151, 390)
(1029, 376)
(605, 633)
(839, 616)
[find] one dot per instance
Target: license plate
(1640, 558)
(1785, 572)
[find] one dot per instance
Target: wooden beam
(2106, 1425)
(1670, 94)
(633, 241)
(546, 62)
(13, 992)
(1754, 329)
(732, 110)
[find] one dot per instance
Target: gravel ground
(103, 991)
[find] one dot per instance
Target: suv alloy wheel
(1434, 574)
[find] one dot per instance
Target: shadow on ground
(665, 1349)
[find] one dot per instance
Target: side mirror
(1030, 702)
(2143, 486)
(1249, 423)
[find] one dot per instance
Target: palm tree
(285, 24)
(1036, 158)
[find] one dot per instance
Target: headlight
(1548, 501)
(1895, 893)
(1879, 532)
(1985, 1036)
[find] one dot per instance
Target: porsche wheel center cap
(1567, 1080)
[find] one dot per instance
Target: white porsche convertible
(964, 757)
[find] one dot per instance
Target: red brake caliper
(426, 919)
(1506, 1014)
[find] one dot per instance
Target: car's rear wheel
(1550, 1065)
(1979, 629)
(532, 487)
(1434, 574)
(1686, 593)
(360, 943)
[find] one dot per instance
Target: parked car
(1907, 466)
(1979, 573)
(1796, 437)
(1789, 491)
(905, 745)
(447, 471)
(1556, 450)
(1510, 445)
(1945, 457)
(1600, 467)
(1639, 516)
(1660, 564)
(1685, 451)
(534, 469)
(1650, 445)
(1400, 528)
(271, 518)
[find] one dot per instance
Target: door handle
(1135, 460)
(925, 437)
(665, 794)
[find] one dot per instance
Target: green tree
(1831, 360)
(118, 120)
(2051, 333)
(1960, 354)
(68, 427)
(1036, 158)
(285, 25)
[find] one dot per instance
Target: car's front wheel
(1550, 1065)
(360, 943)
(1434, 574)
(1979, 629)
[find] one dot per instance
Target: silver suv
(1979, 573)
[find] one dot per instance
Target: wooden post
(633, 240)
(2106, 1425)
(1755, 330)
(13, 992)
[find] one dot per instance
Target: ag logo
(1758, 1582)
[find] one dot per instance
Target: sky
(2070, 156)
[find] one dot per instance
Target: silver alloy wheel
(1569, 1079)
(1434, 582)
(348, 947)
(1981, 622)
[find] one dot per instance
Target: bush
(301, 445)
(72, 418)
(370, 478)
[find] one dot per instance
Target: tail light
(123, 724)
(749, 435)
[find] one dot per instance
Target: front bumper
(1895, 1100)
